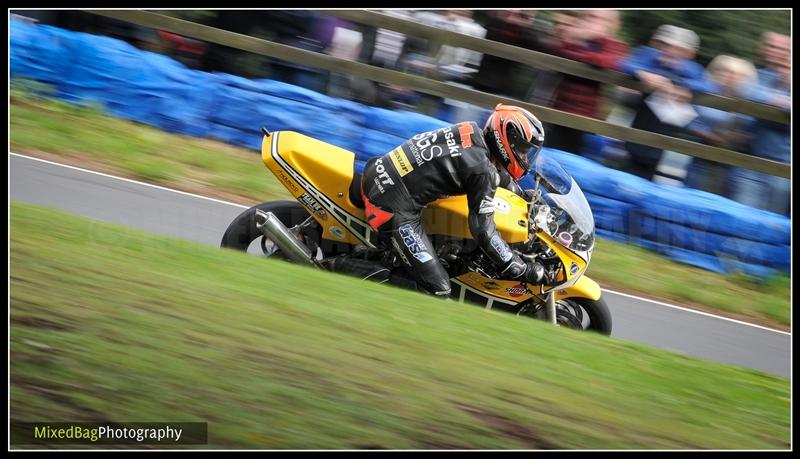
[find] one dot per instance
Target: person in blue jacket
(735, 77)
(770, 139)
(666, 67)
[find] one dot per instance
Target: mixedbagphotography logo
(113, 433)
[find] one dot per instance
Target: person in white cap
(667, 67)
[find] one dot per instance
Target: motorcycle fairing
(496, 293)
(319, 174)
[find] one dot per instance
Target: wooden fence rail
(547, 61)
(442, 89)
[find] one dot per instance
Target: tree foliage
(732, 32)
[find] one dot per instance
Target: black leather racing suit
(449, 161)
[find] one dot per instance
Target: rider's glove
(535, 274)
(530, 272)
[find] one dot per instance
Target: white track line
(703, 313)
(695, 311)
(129, 180)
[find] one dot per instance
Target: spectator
(718, 127)
(668, 72)
(417, 58)
(381, 48)
(770, 139)
(501, 76)
(589, 39)
(541, 92)
(304, 30)
(187, 51)
(345, 43)
(562, 22)
(220, 58)
(459, 65)
(410, 54)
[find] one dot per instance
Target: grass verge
(113, 324)
(86, 137)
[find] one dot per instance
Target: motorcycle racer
(458, 159)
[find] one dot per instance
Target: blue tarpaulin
(687, 225)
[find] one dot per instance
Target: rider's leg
(415, 250)
(389, 209)
(404, 232)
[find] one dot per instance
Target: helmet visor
(526, 152)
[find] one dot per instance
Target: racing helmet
(515, 136)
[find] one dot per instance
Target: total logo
(518, 290)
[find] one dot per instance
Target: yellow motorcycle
(326, 228)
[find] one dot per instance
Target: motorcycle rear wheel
(243, 231)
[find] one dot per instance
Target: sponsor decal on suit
(501, 247)
(400, 162)
(382, 174)
(413, 241)
(486, 206)
(400, 252)
(465, 131)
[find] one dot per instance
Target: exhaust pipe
(275, 231)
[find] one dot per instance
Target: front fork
(550, 307)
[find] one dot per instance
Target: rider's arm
(509, 184)
(480, 185)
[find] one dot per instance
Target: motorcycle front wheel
(578, 313)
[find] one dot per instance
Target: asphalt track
(195, 218)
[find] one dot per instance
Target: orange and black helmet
(515, 137)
